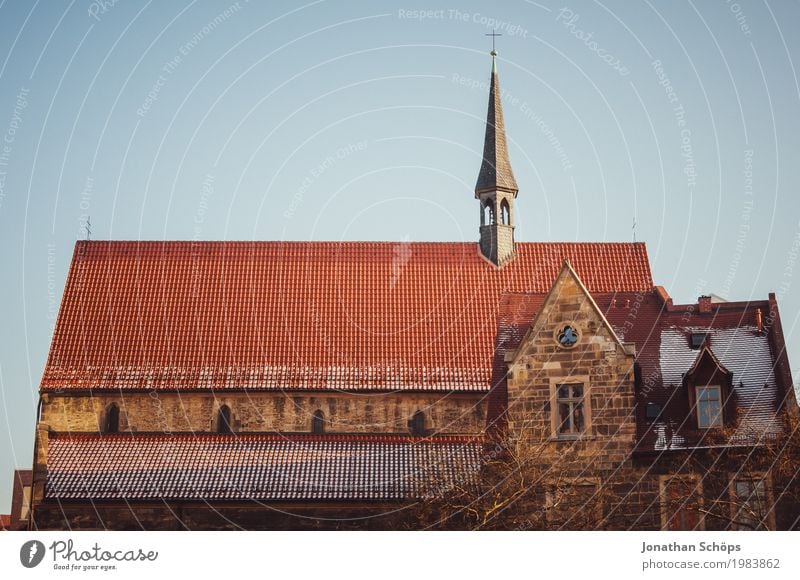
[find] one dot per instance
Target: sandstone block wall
(174, 412)
(597, 361)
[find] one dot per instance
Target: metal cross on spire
(494, 35)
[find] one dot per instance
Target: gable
(570, 361)
(569, 311)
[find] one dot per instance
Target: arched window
(417, 424)
(112, 419)
(505, 212)
(488, 213)
(224, 420)
(318, 422)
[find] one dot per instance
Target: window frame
(762, 477)
(228, 421)
(112, 409)
(488, 212)
(25, 508)
(318, 422)
(657, 409)
(702, 335)
(505, 212)
(586, 399)
(551, 489)
(664, 502)
(417, 425)
(720, 416)
(560, 328)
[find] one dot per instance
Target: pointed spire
(495, 173)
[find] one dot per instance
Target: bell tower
(496, 188)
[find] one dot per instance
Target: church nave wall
(174, 412)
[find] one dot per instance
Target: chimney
(704, 304)
(759, 321)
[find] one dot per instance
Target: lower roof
(254, 467)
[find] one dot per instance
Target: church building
(286, 385)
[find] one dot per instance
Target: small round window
(567, 336)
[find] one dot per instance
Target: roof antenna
(88, 228)
(634, 229)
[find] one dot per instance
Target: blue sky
(364, 121)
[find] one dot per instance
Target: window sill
(558, 438)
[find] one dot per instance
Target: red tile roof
(303, 315)
(5, 521)
(254, 467)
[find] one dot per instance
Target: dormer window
(709, 406)
(698, 339)
(709, 388)
(652, 411)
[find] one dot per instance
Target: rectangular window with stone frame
(574, 504)
(570, 408)
(751, 502)
(681, 498)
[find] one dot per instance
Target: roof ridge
(97, 242)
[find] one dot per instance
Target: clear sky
(364, 121)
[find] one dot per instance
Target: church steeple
(496, 187)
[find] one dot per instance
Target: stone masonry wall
(597, 360)
(267, 411)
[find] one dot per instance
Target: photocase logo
(31, 553)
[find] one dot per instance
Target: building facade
(276, 385)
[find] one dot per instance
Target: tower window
(488, 212)
(318, 422)
(112, 419)
(505, 213)
(224, 420)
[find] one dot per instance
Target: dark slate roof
(495, 172)
(255, 467)
(302, 315)
(742, 350)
